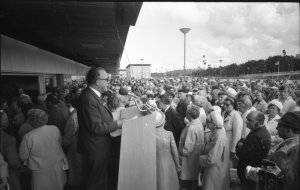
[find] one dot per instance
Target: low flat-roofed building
(138, 70)
(122, 73)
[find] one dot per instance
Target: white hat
(149, 92)
(128, 88)
(276, 103)
(216, 118)
(231, 92)
(274, 88)
(160, 118)
(217, 108)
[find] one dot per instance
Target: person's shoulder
(6, 137)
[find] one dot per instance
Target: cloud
(271, 42)
(220, 51)
(190, 13)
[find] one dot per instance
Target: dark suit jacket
(255, 148)
(95, 124)
(182, 107)
(58, 117)
(174, 123)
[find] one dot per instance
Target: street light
(184, 31)
(142, 67)
(220, 68)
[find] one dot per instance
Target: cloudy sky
(232, 32)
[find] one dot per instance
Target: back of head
(199, 100)
(52, 99)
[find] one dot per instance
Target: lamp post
(184, 31)
(248, 70)
(220, 68)
(142, 68)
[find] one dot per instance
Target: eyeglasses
(227, 105)
(107, 79)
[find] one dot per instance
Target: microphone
(133, 95)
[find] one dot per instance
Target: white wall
(137, 71)
(20, 57)
(123, 74)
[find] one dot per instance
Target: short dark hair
(52, 99)
(165, 99)
(92, 75)
(71, 99)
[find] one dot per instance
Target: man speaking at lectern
(95, 123)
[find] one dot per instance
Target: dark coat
(95, 124)
(58, 117)
(182, 107)
(255, 148)
(174, 123)
(9, 151)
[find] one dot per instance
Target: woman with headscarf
(274, 108)
(42, 152)
(167, 163)
(215, 158)
(190, 147)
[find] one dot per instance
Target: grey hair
(199, 100)
(193, 111)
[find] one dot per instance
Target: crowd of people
(64, 141)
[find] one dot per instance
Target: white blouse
(271, 127)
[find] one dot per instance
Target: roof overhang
(88, 32)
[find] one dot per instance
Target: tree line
(286, 63)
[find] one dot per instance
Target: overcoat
(173, 123)
(191, 146)
(166, 160)
(215, 162)
(255, 148)
(182, 107)
(233, 125)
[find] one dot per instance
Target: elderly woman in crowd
(166, 157)
(42, 152)
(233, 124)
(271, 123)
(215, 158)
(77, 167)
(288, 104)
(190, 147)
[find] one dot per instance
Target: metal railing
(271, 74)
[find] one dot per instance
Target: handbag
(200, 178)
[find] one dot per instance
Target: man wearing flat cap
(289, 130)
